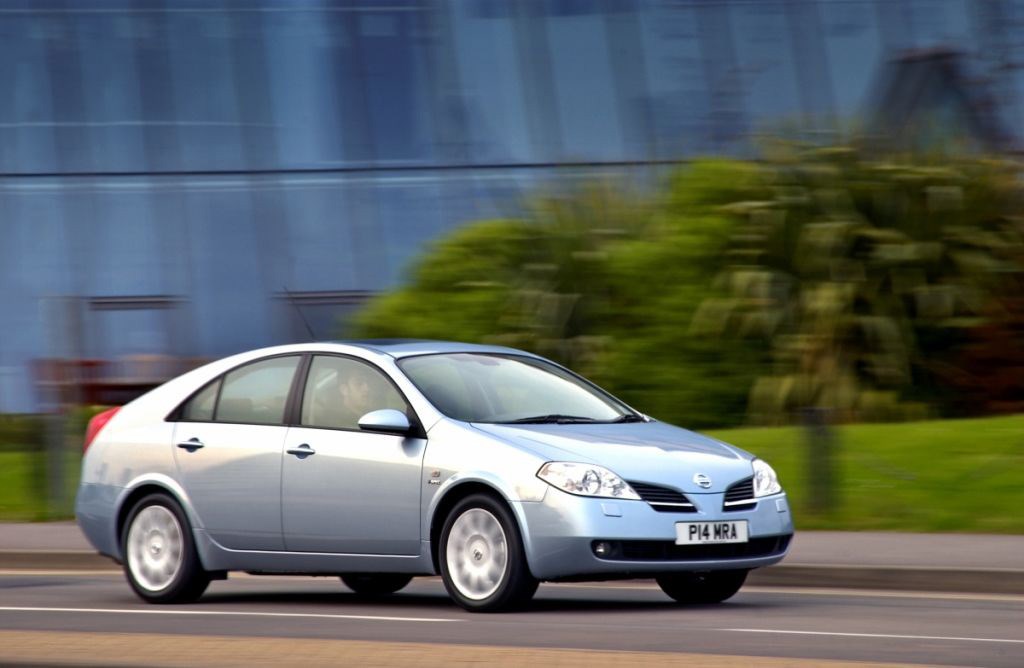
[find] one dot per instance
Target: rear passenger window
(200, 407)
(257, 393)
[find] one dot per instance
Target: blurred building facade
(180, 179)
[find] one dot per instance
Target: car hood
(650, 452)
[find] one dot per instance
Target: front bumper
(559, 535)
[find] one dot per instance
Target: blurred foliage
(887, 291)
(28, 432)
(76, 419)
(26, 463)
(601, 281)
(815, 279)
(23, 489)
(21, 432)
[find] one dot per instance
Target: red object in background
(98, 422)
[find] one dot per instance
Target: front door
(345, 490)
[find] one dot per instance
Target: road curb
(70, 560)
(973, 581)
(905, 578)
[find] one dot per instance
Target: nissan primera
(379, 461)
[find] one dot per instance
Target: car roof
(399, 348)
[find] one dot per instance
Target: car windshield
(510, 389)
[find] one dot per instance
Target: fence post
(821, 460)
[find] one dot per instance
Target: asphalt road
(53, 617)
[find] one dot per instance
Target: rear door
(228, 449)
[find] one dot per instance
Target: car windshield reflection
(511, 389)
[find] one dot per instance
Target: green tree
(601, 281)
(817, 283)
(867, 278)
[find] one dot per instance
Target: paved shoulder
(928, 550)
(42, 536)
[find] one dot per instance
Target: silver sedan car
(381, 460)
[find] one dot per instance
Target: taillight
(97, 423)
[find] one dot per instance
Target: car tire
(481, 554)
(160, 559)
(697, 588)
(375, 584)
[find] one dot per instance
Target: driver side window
(340, 390)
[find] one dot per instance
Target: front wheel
(709, 587)
(375, 584)
(483, 564)
(160, 559)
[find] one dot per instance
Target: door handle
(302, 451)
(191, 444)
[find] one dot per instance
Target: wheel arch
(141, 488)
(445, 501)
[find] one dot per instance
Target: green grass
(941, 476)
(950, 475)
(23, 487)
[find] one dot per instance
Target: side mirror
(386, 421)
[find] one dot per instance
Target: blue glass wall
(216, 153)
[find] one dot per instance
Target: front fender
(510, 494)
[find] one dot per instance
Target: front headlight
(766, 482)
(586, 480)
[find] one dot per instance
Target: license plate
(710, 533)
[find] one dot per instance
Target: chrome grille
(740, 495)
(663, 499)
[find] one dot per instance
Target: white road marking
(813, 591)
(229, 613)
(872, 635)
(226, 613)
(59, 572)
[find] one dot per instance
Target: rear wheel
(708, 587)
(160, 559)
(483, 564)
(375, 584)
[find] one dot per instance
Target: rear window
(200, 407)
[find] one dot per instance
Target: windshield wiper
(629, 417)
(554, 418)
